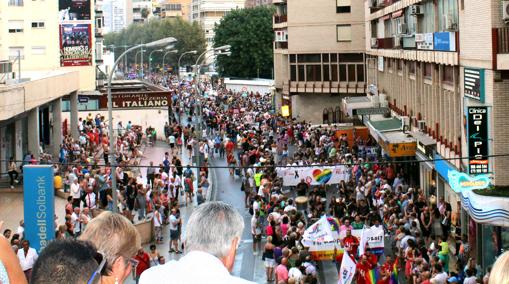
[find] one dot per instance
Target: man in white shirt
(21, 229)
(76, 221)
(90, 198)
(213, 235)
(439, 276)
(75, 193)
(27, 257)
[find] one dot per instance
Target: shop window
(411, 68)
(325, 116)
(448, 74)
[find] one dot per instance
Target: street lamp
(150, 59)
(178, 64)
(168, 52)
(223, 48)
(157, 43)
(136, 57)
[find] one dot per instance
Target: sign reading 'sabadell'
(137, 100)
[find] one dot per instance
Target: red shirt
(362, 272)
(353, 242)
(144, 264)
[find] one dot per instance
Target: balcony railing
(278, 19)
(387, 42)
(281, 45)
(502, 40)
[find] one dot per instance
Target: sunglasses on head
(101, 260)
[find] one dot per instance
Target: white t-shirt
(440, 278)
(295, 273)
(171, 139)
(173, 223)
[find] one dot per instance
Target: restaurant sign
(395, 150)
(137, 100)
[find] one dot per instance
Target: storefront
(426, 146)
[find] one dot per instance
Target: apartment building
(443, 66)
(318, 59)
(142, 10)
(118, 15)
(209, 12)
(256, 3)
(47, 53)
(176, 8)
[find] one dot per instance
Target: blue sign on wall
(444, 41)
(39, 204)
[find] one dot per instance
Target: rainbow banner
(372, 276)
(313, 175)
(394, 273)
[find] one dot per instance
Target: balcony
(278, 19)
(501, 38)
(278, 1)
(386, 43)
(280, 45)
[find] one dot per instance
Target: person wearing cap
(453, 279)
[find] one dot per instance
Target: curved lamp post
(157, 43)
(182, 55)
(168, 52)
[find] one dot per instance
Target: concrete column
(56, 135)
(18, 138)
(3, 149)
(33, 132)
(74, 115)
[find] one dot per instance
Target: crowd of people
(424, 242)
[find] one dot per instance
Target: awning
(386, 17)
(397, 14)
(384, 125)
(352, 103)
(398, 144)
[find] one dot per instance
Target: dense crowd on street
(424, 242)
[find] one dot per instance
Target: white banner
(320, 231)
(374, 237)
(347, 270)
(313, 175)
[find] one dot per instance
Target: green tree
(190, 36)
(249, 32)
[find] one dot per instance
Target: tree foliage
(190, 36)
(249, 32)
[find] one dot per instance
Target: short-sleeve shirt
(173, 223)
(282, 273)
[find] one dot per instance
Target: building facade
(318, 60)
(256, 3)
(443, 67)
(176, 8)
(118, 15)
(210, 12)
(142, 10)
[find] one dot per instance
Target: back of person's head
(499, 273)
(212, 228)
(114, 235)
(66, 261)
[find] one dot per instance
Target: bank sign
(477, 140)
(137, 100)
(39, 205)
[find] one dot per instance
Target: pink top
(284, 229)
(282, 273)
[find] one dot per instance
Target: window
(15, 51)
(15, 2)
(342, 72)
(344, 33)
(448, 74)
(15, 26)
(411, 68)
(428, 71)
(389, 64)
(343, 6)
(360, 72)
(400, 65)
(313, 73)
(292, 58)
(38, 25)
(301, 73)
(293, 72)
(351, 73)
(326, 76)
(310, 58)
(38, 50)
(334, 69)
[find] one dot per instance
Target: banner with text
(313, 175)
(39, 205)
(75, 45)
(373, 237)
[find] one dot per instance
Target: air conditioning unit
(419, 37)
(405, 120)
(374, 42)
(402, 28)
(416, 10)
(449, 24)
(397, 41)
(505, 11)
(421, 124)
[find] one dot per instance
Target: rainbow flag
(394, 273)
(372, 276)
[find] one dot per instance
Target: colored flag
(394, 273)
(347, 270)
(362, 244)
(372, 276)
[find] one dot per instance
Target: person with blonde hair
(499, 273)
(117, 238)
